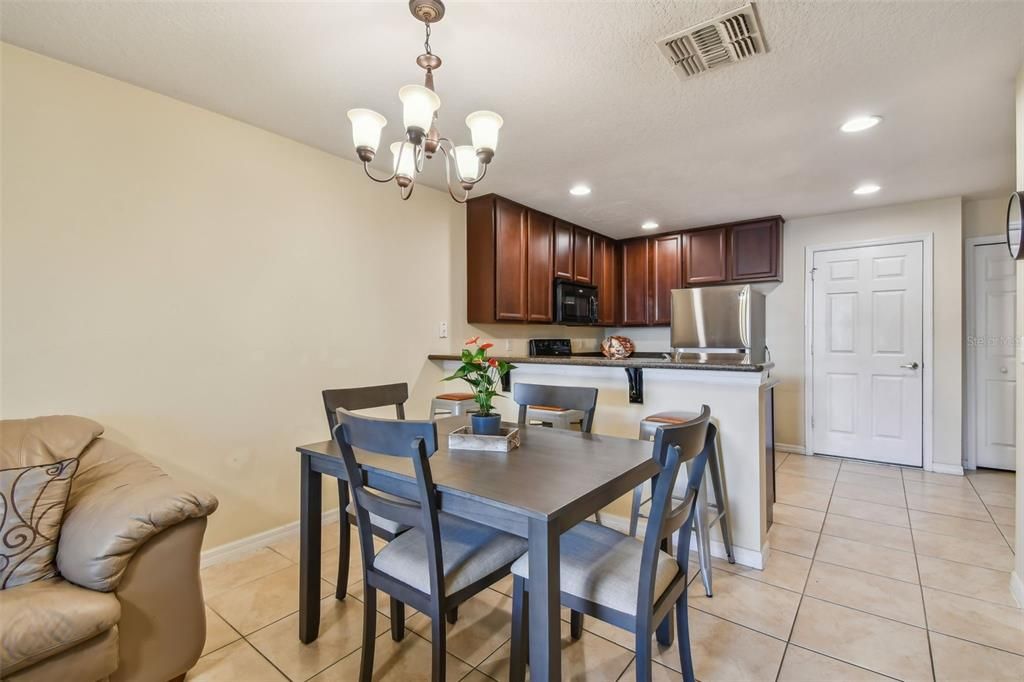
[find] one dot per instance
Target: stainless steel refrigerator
(723, 319)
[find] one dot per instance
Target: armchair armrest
(118, 501)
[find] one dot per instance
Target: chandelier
(422, 140)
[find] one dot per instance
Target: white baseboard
(1017, 589)
(954, 469)
(240, 548)
(786, 447)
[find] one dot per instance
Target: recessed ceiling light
(859, 123)
(867, 188)
(649, 225)
(579, 190)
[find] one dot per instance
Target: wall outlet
(508, 344)
(442, 330)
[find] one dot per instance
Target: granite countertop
(702, 361)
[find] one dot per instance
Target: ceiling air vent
(732, 37)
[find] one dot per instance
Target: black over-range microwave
(575, 303)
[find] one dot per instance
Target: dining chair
(441, 561)
(361, 398)
(559, 406)
(629, 583)
(707, 515)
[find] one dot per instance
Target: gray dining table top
(551, 472)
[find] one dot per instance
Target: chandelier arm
(418, 157)
(366, 168)
(458, 173)
(448, 174)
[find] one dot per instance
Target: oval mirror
(1014, 225)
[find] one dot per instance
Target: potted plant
(483, 374)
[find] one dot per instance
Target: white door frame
(928, 319)
(971, 423)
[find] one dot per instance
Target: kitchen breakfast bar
(738, 391)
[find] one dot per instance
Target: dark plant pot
(486, 426)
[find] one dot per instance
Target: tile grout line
(989, 512)
(924, 604)
(803, 591)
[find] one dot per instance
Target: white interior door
(867, 353)
(992, 343)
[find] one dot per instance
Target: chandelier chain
(426, 43)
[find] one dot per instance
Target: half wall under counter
(738, 393)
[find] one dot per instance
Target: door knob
(1003, 370)
(912, 365)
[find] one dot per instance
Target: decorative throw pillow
(32, 501)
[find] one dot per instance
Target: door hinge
(813, 270)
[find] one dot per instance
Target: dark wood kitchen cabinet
(633, 282)
(706, 257)
(755, 251)
(666, 274)
(510, 270)
(540, 233)
(606, 279)
(563, 250)
(509, 254)
(582, 255)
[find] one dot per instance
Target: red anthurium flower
(492, 362)
(470, 342)
(485, 346)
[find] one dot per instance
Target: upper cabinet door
(666, 274)
(705, 261)
(634, 282)
(540, 238)
(583, 253)
(754, 251)
(605, 278)
(510, 265)
(563, 250)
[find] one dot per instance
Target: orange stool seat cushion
(455, 396)
(548, 408)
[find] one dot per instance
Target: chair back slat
(673, 446)
(415, 440)
(677, 515)
(583, 399)
(406, 513)
(364, 398)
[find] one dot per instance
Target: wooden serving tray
(463, 438)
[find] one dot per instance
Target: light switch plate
(442, 330)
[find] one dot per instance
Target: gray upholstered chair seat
(469, 551)
(602, 565)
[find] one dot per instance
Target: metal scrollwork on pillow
(32, 501)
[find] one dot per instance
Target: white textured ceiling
(587, 96)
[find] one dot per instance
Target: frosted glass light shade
(466, 162)
(403, 162)
(366, 127)
(418, 106)
(484, 126)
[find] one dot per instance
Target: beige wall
(985, 217)
(193, 282)
(940, 218)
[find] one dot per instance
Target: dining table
(552, 481)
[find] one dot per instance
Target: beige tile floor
(875, 573)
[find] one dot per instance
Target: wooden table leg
(309, 552)
(545, 624)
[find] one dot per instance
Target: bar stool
(707, 514)
(557, 417)
(453, 404)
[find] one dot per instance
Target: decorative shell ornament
(617, 347)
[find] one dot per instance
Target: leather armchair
(128, 603)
